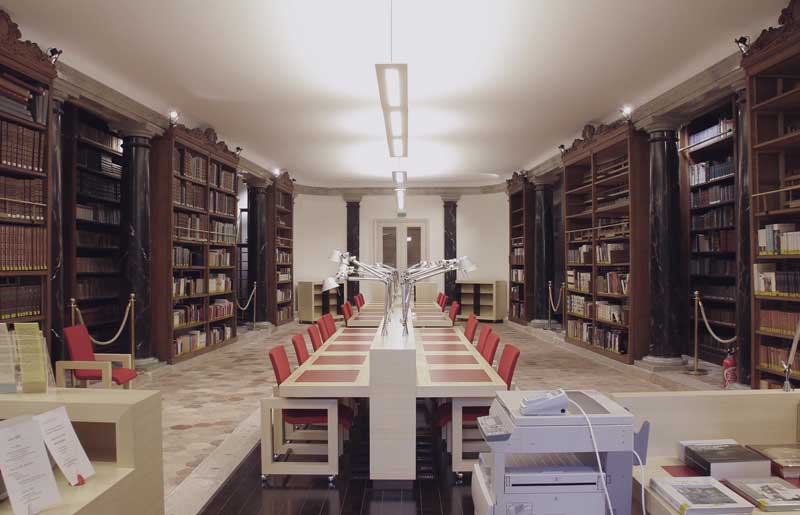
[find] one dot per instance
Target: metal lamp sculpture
(393, 280)
(787, 365)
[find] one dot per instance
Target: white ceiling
(494, 86)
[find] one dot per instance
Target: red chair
(359, 300)
(472, 326)
(323, 329)
(444, 302)
(453, 311)
(300, 349)
(347, 312)
(88, 366)
(439, 298)
(489, 350)
(316, 338)
(508, 363)
(485, 332)
(331, 323)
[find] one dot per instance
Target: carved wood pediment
(285, 181)
(517, 181)
(206, 137)
(26, 52)
(591, 134)
(787, 32)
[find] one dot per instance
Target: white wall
(482, 234)
(320, 226)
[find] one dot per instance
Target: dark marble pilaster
(542, 248)
(258, 246)
(450, 247)
(743, 320)
(58, 350)
(135, 236)
(558, 239)
(667, 289)
(353, 240)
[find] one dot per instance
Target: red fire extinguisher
(729, 369)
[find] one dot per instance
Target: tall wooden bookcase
(26, 77)
(772, 68)
(193, 205)
(520, 245)
(708, 161)
(606, 206)
(280, 263)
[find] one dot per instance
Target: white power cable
(641, 480)
(596, 454)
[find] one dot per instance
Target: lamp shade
(329, 284)
(466, 265)
(336, 256)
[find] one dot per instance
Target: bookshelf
(312, 302)
(772, 70)
(280, 263)
(606, 222)
(708, 153)
(193, 268)
(520, 245)
(26, 76)
(92, 171)
(486, 299)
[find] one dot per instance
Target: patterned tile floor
(207, 397)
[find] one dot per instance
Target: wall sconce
(54, 54)
(562, 148)
(173, 116)
(743, 42)
(626, 111)
(239, 151)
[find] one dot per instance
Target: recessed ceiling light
(396, 122)
(391, 77)
(393, 90)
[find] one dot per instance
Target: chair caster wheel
(332, 481)
(264, 481)
(459, 478)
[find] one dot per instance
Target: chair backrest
(508, 362)
(453, 311)
(445, 298)
(79, 345)
(316, 338)
(347, 312)
(300, 349)
(439, 298)
(485, 332)
(280, 364)
(472, 326)
(359, 300)
(323, 329)
(489, 350)
(331, 323)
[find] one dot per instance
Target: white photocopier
(543, 460)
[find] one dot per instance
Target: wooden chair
(315, 336)
(88, 366)
(471, 327)
(489, 350)
(300, 349)
(276, 412)
(453, 311)
(485, 332)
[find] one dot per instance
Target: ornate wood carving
(788, 32)
(284, 181)
(26, 52)
(517, 181)
(591, 134)
(206, 137)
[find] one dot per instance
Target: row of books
(21, 147)
(97, 186)
(282, 241)
(22, 99)
(282, 257)
(780, 283)
(579, 280)
(773, 357)
(285, 313)
(222, 203)
(579, 305)
(284, 221)
(223, 232)
(219, 257)
(516, 310)
(23, 248)
(712, 266)
(714, 314)
(220, 308)
(613, 282)
(580, 330)
(721, 128)
(611, 312)
(518, 275)
(100, 136)
(284, 200)
(713, 195)
(284, 274)
(515, 292)
(283, 295)
(186, 256)
(20, 300)
(189, 342)
(613, 227)
(581, 255)
(609, 253)
(778, 321)
(222, 178)
(183, 163)
(701, 173)
(219, 333)
(95, 289)
(722, 291)
(95, 265)
(219, 283)
(580, 235)
(185, 286)
(188, 194)
(100, 314)
(94, 159)
(22, 199)
(184, 314)
(722, 217)
(98, 213)
(189, 226)
(614, 340)
(611, 167)
(776, 239)
(715, 241)
(101, 240)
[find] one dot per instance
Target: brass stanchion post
(549, 304)
(255, 284)
(72, 310)
(564, 307)
(696, 371)
(132, 315)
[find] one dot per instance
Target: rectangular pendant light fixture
(393, 88)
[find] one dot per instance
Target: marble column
(668, 325)
(743, 320)
(353, 236)
(542, 250)
(57, 308)
(558, 239)
(450, 247)
(135, 236)
(258, 246)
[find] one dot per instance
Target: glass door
(401, 244)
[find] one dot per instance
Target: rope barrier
(249, 300)
(119, 331)
(711, 331)
(550, 294)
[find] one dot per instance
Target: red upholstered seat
(453, 311)
(79, 347)
(323, 329)
(472, 326)
(489, 350)
(316, 338)
(508, 363)
(330, 323)
(439, 298)
(485, 332)
(359, 300)
(300, 349)
(347, 312)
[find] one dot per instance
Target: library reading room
(399, 257)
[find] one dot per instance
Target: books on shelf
(780, 283)
(185, 314)
(613, 340)
(20, 300)
(285, 313)
(22, 99)
(222, 232)
(219, 283)
(701, 173)
(720, 129)
(185, 286)
(98, 187)
(283, 295)
(220, 308)
(580, 330)
(767, 493)
(579, 280)
(712, 266)
(284, 275)
(97, 265)
(94, 159)
(22, 147)
(719, 218)
(785, 457)
(778, 239)
(699, 496)
(582, 255)
(186, 256)
(100, 240)
(22, 199)
(579, 305)
(95, 289)
(613, 282)
(189, 342)
(518, 275)
(610, 253)
(219, 257)
(219, 333)
(222, 178)
(770, 356)
(611, 167)
(23, 248)
(93, 315)
(188, 194)
(724, 315)
(189, 226)
(723, 240)
(98, 213)
(720, 291)
(100, 136)
(777, 321)
(611, 312)
(713, 195)
(222, 203)
(724, 461)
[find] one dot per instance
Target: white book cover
(700, 496)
